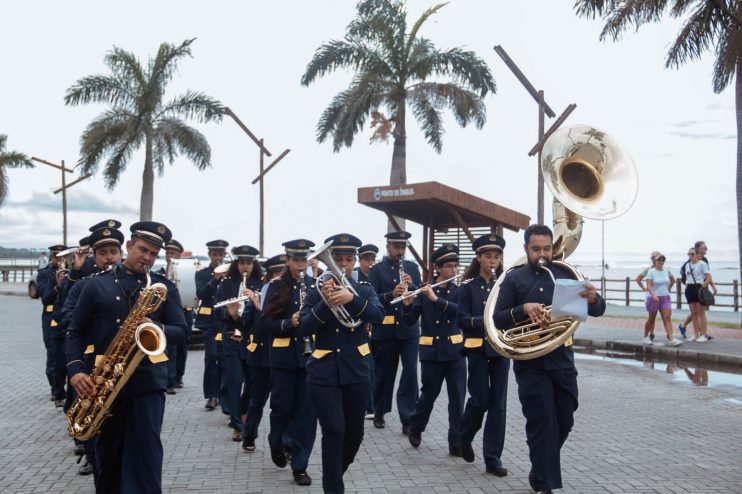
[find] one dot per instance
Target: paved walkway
(635, 432)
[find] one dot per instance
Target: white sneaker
(674, 342)
(702, 339)
(647, 340)
(691, 339)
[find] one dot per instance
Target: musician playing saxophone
(128, 450)
(547, 385)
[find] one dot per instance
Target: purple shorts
(664, 304)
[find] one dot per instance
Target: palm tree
(708, 25)
(9, 159)
(139, 115)
(394, 68)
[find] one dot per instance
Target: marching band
(324, 348)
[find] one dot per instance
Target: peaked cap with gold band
(445, 253)
(344, 243)
(488, 242)
(151, 231)
(299, 248)
(105, 236)
(398, 237)
(115, 224)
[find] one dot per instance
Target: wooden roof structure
(438, 207)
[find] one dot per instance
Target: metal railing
(630, 292)
(15, 273)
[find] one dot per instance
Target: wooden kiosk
(447, 215)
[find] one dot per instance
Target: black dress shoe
(170, 391)
(405, 429)
(497, 471)
(86, 469)
(59, 403)
(179, 384)
(248, 445)
(379, 421)
(301, 477)
(210, 404)
(415, 439)
(278, 455)
(467, 452)
(79, 449)
(237, 436)
(454, 452)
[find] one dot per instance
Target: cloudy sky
(251, 55)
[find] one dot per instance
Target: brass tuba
(590, 175)
(132, 342)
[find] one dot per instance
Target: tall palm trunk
(738, 105)
(398, 173)
(148, 183)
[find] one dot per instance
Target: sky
(251, 56)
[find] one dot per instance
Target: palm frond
(696, 36)
(336, 54)
(99, 89)
(182, 139)
(382, 24)
(465, 105)
(465, 67)
(14, 159)
(347, 113)
(122, 151)
(165, 64)
(192, 105)
(125, 66)
(728, 59)
(418, 24)
(620, 15)
(103, 134)
(430, 121)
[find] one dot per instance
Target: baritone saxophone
(131, 344)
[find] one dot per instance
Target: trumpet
(73, 250)
(415, 293)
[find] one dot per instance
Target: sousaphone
(592, 176)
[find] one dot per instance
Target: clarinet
(402, 273)
(302, 295)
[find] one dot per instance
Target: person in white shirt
(659, 281)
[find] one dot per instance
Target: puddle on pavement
(680, 371)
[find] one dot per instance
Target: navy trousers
(340, 410)
(171, 350)
(432, 376)
(182, 348)
(128, 450)
(548, 399)
(292, 410)
(387, 355)
(260, 382)
(222, 379)
(488, 392)
(232, 373)
(211, 365)
(49, 356)
(58, 367)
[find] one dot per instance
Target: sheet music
(567, 301)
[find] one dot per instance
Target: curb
(15, 294)
(673, 354)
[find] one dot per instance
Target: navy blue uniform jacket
(383, 277)
(340, 353)
(523, 285)
(440, 339)
(104, 303)
(472, 298)
(287, 347)
(206, 286)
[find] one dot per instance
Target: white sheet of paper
(567, 301)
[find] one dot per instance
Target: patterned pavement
(640, 429)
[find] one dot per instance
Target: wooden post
(679, 303)
(736, 295)
(541, 111)
(262, 203)
(628, 291)
(426, 252)
(64, 207)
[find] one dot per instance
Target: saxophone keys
(118, 370)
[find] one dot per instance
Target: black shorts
(691, 292)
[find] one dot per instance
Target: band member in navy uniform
(257, 358)
(243, 269)
(207, 282)
(441, 343)
(366, 260)
(290, 405)
(128, 449)
(178, 354)
(48, 288)
(547, 385)
(488, 371)
(106, 244)
(337, 374)
(394, 339)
